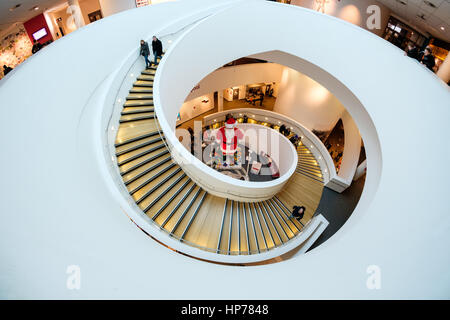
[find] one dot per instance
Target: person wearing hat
(228, 137)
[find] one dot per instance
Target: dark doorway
(94, 16)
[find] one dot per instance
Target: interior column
(444, 70)
(110, 7)
(219, 101)
(75, 10)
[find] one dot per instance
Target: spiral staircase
(185, 211)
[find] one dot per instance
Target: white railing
(308, 138)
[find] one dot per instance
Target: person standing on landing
(145, 51)
(157, 49)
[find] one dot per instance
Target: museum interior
(248, 145)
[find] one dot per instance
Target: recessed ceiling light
(442, 28)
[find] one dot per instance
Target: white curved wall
(305, 100)
(59, 208)
(363, 96)
(236, 76)
(110, 7)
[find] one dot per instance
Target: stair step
(165, 193)
(143, 83)
(173, 203)
(309, 175)
(174, 172)
(149, 72)
(175, 214)
(130, 178)
(138, 103)
(142, 182)
(141, 137)
(144, 162)
(140, 96)
(138, 144)
(145, 116)
(146, 77)
(141, 90)
(142, 154)
(138, 111)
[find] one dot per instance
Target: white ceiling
(435, 17)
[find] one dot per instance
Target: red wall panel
(35, 24)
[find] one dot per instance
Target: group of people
(426, 57)
(36, 47)
(157, 49)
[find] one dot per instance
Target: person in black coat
(145, 51)
(428, 59)
(298, 212)
(157, 49)
(6, 70)
(36, 47)
(412, 51)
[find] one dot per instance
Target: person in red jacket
(228, 137)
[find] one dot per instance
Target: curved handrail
(320, 152)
